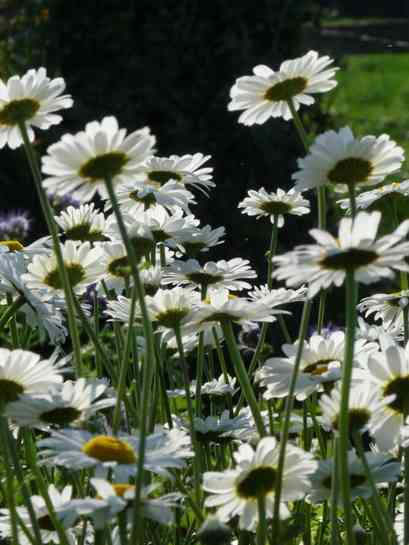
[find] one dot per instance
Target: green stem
(121, 387)
(262, 521)
(149, 364)
(404, 285)
(334, 495)
(381, 512)
(287, 416)
(52, 228)
(242, 376)
(196, 447)
(350, 313)
(11, 310)
(352, 199)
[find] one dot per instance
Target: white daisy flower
(273, 297)
(274, 204)
(266, 94)
(372, 332)
(200, 239)
(173, 307)
(321, 362)
(185, 170)
(383, 470)
(356, 248)
(80, 449)
(367, 198)
(82, 263)
(63, 405)
(235, 491)
(139, 234)
(79, 163)
(119, 309)
(229, 274)
(341, 160)
(32, 99)
(113, 498)
(163, 225)
(23, 372)
(41, 311)
(116, 266)
(218, 429)
(219, 386)
(63, 506)
(387, 307)
(364, 408)
(151, 277)
(220, 306)
(135, 197)
(388, 374)
(82, 223)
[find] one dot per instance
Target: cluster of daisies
(130, 413)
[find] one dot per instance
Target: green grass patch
(373, 96)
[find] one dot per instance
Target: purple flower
(15, 225)
(61, 202)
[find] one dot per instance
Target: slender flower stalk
(262, 524)
(124, 365)
(150, 357)
(11, 311)
(350, 312)
(287, 416)
(242, 376)
(52, 228)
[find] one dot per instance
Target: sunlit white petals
(356, 249)
(341, 160)
(79, 163)
(266, 93)
(274, 204)
(83, 223)
(32, 99)
(368, 198)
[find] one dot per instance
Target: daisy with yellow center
(267, 93)
(32, 99)
(343, 161)
(78, 164)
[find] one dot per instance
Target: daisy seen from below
(343, 161)
(230, 275)
(32, 99)
(185, 170)
(83, 223)
(199, 239)
(119, 497)
(356, 249)
(368, 198)
(275, 204)
(80, 449)
(173, 307)
(63, 506)
(267, 93)
(387, 372)
(364, 409)
(135, 197)
(82, 263)
(63, 405)
(321, 363)
(386, 307)
(235, 492)
(23, 372)
(79, 163)
(383, 470)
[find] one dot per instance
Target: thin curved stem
(52, 228)
(287, 415)
(350, 313)
(11, 310)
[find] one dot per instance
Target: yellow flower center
(12, 245)
(9, 390)
(275, 208)
(258, 482)
(120, 267)
(350, 171)
(109, 449)
(18, 111)
(60, 416)
(161, 177)
(75, 272)
(120, 489)
(357, 419)
(285, 90)
(399, 387)
(107, 165)
(350, 259)
(83, 232)
(318, 367)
